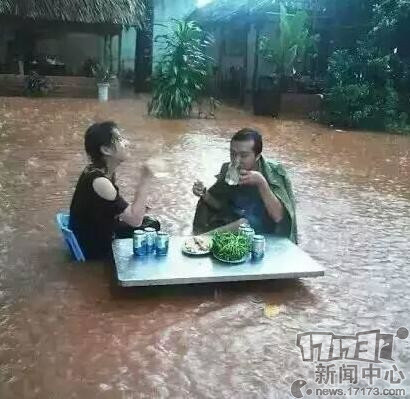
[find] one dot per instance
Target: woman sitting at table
(98, 213)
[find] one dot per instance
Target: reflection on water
(63, 334)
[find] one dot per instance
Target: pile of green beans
(230, 246)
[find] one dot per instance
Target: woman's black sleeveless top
(92, 218)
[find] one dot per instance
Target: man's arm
(273, 205)
(234, 226)
(215, 195)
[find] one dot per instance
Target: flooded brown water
(63, 334)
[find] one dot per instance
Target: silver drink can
(249, 232)
(243, 227)
(139, 243)
(151, 239)
(258, 247)
(162, 243)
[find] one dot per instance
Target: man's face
(242, 154)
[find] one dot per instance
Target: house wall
(6, 35)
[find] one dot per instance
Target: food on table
(230, 246)
(197, 245)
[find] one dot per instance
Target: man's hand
(198, 189)
(251, 178)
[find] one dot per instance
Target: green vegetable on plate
(230, 246)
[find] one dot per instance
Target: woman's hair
(96, 136)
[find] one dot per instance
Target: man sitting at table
(263, 196)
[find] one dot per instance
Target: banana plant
(287, 49)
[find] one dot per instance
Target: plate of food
(197, 246)
(230, 247)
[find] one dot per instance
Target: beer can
(258, 247)
(151, 239)
(243, 226)
(249, 232)
(139, 243)
(162, 243)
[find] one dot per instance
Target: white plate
(199, 253)
(195, 253)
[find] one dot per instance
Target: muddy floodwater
(66, 333)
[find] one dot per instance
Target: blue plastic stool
(63, 220)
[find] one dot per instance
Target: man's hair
(96, 136)
(250, 134)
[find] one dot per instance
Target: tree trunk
(244, 78)
(110, 53)
(256, 61)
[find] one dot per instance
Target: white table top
(283, 259)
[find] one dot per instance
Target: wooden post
(144, 51)
(244, 79)
(21, 67)
(256, 60)
(110, 53)
(221, 52)
(105, 50)
(119, 52)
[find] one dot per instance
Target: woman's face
(120, 147)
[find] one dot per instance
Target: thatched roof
(119, 12)
(226, 10)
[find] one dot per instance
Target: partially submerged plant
(181, 76)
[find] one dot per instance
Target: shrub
(360, 91)
(181, 76)
(36, 85)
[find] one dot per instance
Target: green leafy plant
(360, 91)
(181, 75)
(88, 67)
(230, 246)
(368, 84)
(36, 85)
(102, 73)
(287, 50)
